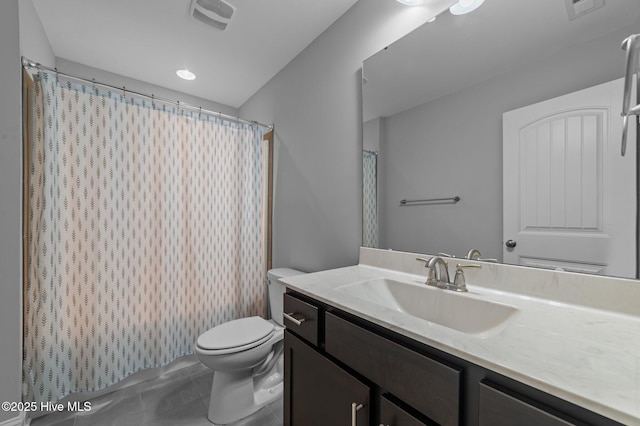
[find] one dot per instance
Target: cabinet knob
(355, 407)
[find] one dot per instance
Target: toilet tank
(276, 291)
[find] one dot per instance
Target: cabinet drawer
(427, 385)
(498, 408)
(392, 415)
(306, 316)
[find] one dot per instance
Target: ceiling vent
(215, 13)
(578, 8)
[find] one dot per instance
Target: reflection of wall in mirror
(370, 178)
(453, 146)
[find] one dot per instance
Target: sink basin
(462, 312)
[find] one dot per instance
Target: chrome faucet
(473, 252)
(437, 272)
(438, 277)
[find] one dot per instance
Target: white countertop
(587, 356)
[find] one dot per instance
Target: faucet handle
(459, 282)
(446, 255)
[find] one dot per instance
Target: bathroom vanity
(359, 351)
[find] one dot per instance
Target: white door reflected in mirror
(569, 198)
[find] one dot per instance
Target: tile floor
(176, 398)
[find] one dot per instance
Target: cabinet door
(427, 385)
(392, 415)
(318, 392)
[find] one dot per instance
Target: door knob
(510, 243)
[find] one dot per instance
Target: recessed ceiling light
(186, 74)
(411, 2)
(465, 6)
(432, 20)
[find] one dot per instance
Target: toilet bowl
(246, 356)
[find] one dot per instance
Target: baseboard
(20, 420)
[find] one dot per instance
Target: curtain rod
(27, 63)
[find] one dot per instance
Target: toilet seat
(236, 336)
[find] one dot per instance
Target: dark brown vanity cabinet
(429, 386)
(318, 392)
(343, 370)
(338, 373)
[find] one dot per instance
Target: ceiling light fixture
(215, 13)
(185, 74)
(465, 6)
(411, 2)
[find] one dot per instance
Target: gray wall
(10, 206)
(453, 146)
(87, 72)
(33, 40)
(371, 135)
(315, 105)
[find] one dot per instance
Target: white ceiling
(149, 40)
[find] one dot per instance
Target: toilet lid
(232, 334)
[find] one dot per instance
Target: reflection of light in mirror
(411, 2)
(185, 74)
(465, 6)
(402, 20)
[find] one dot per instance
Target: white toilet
(247, 359)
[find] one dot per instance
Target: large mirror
(500, 130)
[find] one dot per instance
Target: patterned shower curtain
(369, 199)
(146, 230)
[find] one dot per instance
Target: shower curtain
(369, 199)
(146, 230)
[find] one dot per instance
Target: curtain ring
(153, 103)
